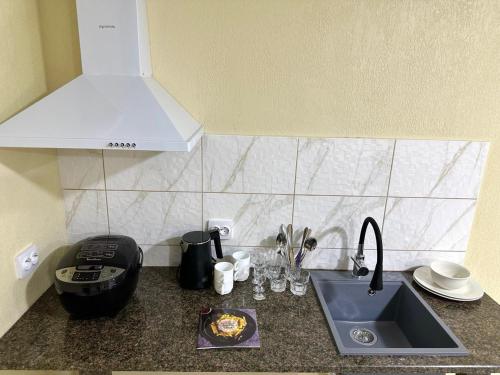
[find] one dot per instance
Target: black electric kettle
(197, 265)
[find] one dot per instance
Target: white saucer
(443, 296)
(470, 292)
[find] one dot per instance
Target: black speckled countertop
(157, 332)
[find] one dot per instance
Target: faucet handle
(359, 268)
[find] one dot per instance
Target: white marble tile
(404, 260)
(328, 259)
(428, 224)
(170, 255)
(228, 250)
(410, 260)
(344, 166)
(86, 213)
(156, 171)
(154, 217)
(80, 169)
(161, 255)
(256, 216)
(443, 169)
(336, 221)
(240, 164)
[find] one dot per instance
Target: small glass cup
(278, 284)
(274, 270)
(258, 289)
(258, 261)
(275, 261)
(298, 282)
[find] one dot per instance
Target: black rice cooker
(98, 275)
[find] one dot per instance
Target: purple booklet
(228, 328)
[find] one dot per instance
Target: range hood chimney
(115, 103)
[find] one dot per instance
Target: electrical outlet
(225, 227)
(26, 261)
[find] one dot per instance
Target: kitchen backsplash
(422, 193)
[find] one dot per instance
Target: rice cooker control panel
(88, 273)
(98, 250)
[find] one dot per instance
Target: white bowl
(449, 275)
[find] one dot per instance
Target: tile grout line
(281, 194)
(359, 137)
(388, 186)
(105, 190)
(322, 248)
(295, 179)
(435, 198)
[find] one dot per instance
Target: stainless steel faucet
(360, 268)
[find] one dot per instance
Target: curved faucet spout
(377, 281)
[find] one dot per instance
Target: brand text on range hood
(115, 103)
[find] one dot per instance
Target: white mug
(223, 277)
(241, 262)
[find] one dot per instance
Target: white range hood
(115, 103)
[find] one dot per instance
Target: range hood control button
(122, 144)
(116, 144)
(110, 144)
(133, 145)
(128, 145)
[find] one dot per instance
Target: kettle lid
(196, 237)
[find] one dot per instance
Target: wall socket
(225, 227)
(26, 261)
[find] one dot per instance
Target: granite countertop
(157, 332)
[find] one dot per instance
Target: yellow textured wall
(31, 207)
(367, 68)
(60, 44)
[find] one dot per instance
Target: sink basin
(394, 321)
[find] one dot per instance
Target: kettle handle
(141, 257)
(215, 235)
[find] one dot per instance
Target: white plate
(442, 296)
(470, 292)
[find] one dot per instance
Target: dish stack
(448, 280)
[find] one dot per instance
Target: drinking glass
(258, 259)
(275, 272)
(298, 282)
(274, 265)
(259, 265)
(258, 290)
(278, 284)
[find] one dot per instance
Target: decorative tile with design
(86, 213)
(344, 166)
(256, 216)
(428, 223)
(240, 164)
(156, 171)
(443, 169)
(81, 169)
(336, 221)
(157, 218)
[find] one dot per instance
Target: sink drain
(363, 336)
